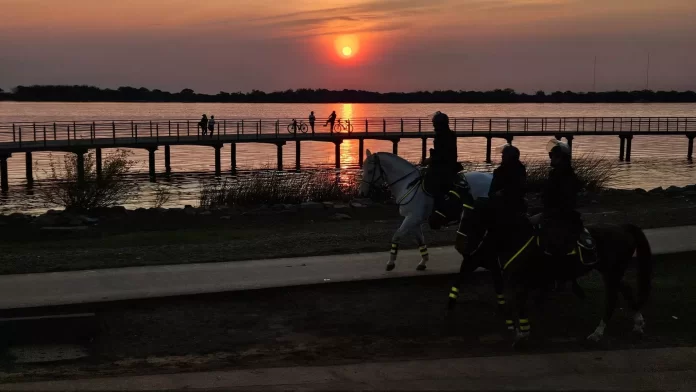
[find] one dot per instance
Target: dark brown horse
(525, 266)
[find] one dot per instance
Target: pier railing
(147, 132)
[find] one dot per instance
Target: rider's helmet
(558, 151)
(509, 152)
(554, 146)
(440, 119)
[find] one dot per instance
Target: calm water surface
(657, 161)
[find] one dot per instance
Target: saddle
(450, 206)
(560, 239)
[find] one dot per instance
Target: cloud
(370, 16)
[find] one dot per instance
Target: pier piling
(218, 168)
(151, 161)
(4, 183)
(233, 157)
(622, 147)
(337, 153)
(569, 140)
(361, 152)
(395, 147)
(690, 152)
(98, 158)
(167, 159)
(279, 147)
(424, 148)
(629, 140)
(297, 155)
(80, 166)
(29, 169)
(489, 140)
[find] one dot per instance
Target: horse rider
(508, 206)
(442, 163)
(561, 223)
(505, 208)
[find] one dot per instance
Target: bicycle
(339, 127)
(295, 126)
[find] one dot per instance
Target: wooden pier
(80, 136)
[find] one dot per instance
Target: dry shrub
(110, 189)
(273, 187)
(594, 173)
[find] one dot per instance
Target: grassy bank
(272, 187)
(156, 237)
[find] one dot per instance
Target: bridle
(375, 180)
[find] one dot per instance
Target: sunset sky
(396, 45)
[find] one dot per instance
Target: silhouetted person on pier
(203, 124)
(311, 121)
(331, 120)
(211, 125)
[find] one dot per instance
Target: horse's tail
(645, 263)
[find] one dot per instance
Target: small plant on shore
(163, 194)
(272, 187)
(106, 190)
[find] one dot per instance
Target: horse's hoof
(579, 292)
(637, 335)
(521, 344)
(451, 304)
(593, 339)
(391, 267)
(421, 267)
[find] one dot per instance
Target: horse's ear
(368, 152)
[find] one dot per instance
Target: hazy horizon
(396, 45)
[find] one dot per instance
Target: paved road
(63, 288)
(668, 369)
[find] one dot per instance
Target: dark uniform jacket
(511, 181)
(444, 153)
(560, 193)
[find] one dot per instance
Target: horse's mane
(398, 158)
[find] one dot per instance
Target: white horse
(415, 205)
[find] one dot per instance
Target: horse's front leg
(503, 309)
(406, 227)
(611, 286)
(523, 329)
(423, 249)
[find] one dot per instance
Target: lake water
(657, 161)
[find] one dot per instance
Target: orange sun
(347, 46)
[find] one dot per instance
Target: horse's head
(371, 174)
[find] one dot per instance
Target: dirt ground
(359, 321)
(152, 238)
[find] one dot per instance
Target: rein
(383, 176)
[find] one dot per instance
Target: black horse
(524, 266)
(457, 207)
(478, 249)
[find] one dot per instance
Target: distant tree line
(132, 94)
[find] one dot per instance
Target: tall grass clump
(109, 189)
(272, 187)
(594, 173)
